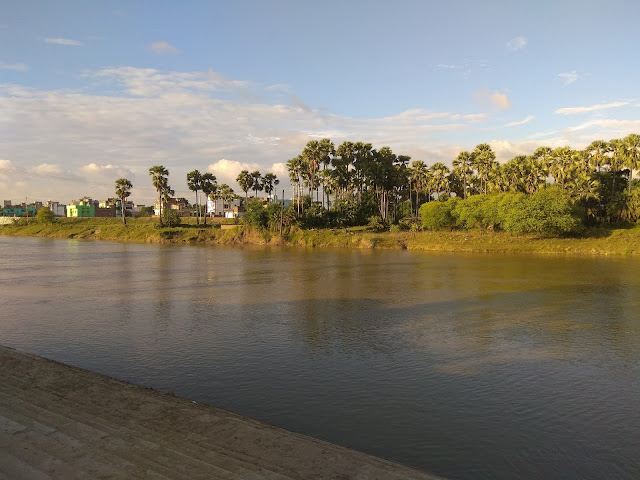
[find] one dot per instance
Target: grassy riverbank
(145, 230)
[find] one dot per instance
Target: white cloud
(45, 169)
(516, 43)
(184, 121)
(280, 170)
(591, 108)
(63, 41)
(527, 119)
(496, 100)
(6, 166)
(18, 67)
(226, 171)
(613, 125)
(148, 82)
(162, 48)
(106, 171)
(569, 77)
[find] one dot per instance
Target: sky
(93, 91)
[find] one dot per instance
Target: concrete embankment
(62, 422)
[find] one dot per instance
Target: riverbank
(58, 421)
(145, 230)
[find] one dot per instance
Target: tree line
(357, 181)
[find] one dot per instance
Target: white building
(57, 208)
(218, 208)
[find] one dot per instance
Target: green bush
(438, 215)
(45, 215)
(376, 224)
(256, 214)
(548, 212)
(170, 217)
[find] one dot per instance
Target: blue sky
(91, 91)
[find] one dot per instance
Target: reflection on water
(469, 366)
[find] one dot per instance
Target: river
(466, 366)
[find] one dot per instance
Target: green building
(81, 209)
(18, 211)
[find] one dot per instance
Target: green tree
(209, 187)
(44, 215)
(257, 182)
(159, 178)
(632, 155)
(245, 180)
(194, 182)
(123, 191)
(462, 169)
(255, 214)
(269, 182)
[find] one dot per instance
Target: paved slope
(62, 422)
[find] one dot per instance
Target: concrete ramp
(61, 422)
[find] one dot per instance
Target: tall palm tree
(269, 182)
(209, 187)
(462, 169)
(439, 172)
(483, 160)
(245, 180)
(294, 166)
(561, 165)
(419, 171)
(597, 152)
(123, 191)
(632, 160)
(194, 182)
(257, 181)
(159, 179)
(617, 160)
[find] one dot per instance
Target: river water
(466, 366)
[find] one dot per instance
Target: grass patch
(146, 230)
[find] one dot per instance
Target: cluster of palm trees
(356, 168)
(257, 182)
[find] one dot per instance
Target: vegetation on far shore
(600, 241)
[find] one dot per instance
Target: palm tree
(194, 182)
(632, 160)
(561, 165)
(245, 180)
(257, 181)
(462, 168)
(269, 182)
(596, 152)
(439, 172)
(316, 153)
(159, 179)
(225, 193)
(418, 175)
(617, 160)
(123, 191)
(483, 159)
(209, 187)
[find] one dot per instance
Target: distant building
(23, 210)
(56, 208)
(218, 208)
(181, 205)
(81, 209)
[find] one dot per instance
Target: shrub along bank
(145, 230)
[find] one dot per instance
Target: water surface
(467, 366)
